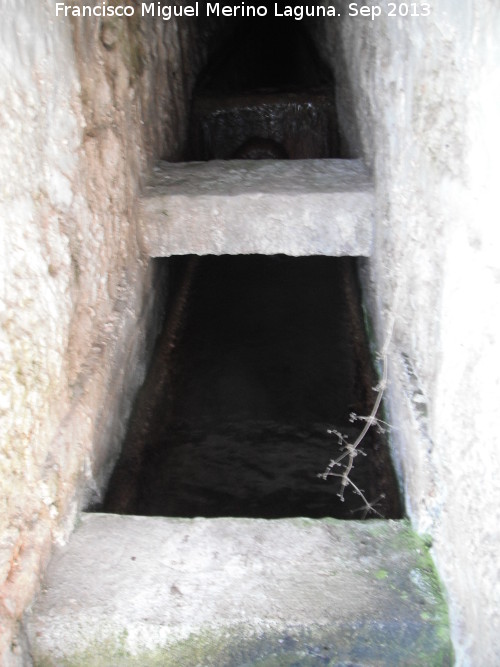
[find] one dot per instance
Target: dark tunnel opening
(262, 53)
(265, 82)
(260, 359)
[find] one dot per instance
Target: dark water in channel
(263, 366)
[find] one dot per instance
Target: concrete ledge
(232, 592)
(295, 207)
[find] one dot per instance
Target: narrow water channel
(265, 362)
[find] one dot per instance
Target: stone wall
(85, 107)
(425, 94)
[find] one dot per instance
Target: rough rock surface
(226, 592)
(84, 110)
(418, 100)
(295, 207)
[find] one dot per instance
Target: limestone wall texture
(426, 95)
(85, 107)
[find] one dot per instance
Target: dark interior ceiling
(263, 52)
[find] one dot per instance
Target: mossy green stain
(420, 545)
(430, 647)
(381, 574)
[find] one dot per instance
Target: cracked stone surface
(295, 207)
(144, 591)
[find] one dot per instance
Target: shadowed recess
(264, 356)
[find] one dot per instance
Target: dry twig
(345, 461)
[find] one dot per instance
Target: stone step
(295, 207)
(228, 592)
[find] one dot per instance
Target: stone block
(133, 590)
(294, 207)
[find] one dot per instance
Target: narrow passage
(265, 363)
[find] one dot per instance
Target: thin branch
(351, 450)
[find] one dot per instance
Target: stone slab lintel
(295, 207)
